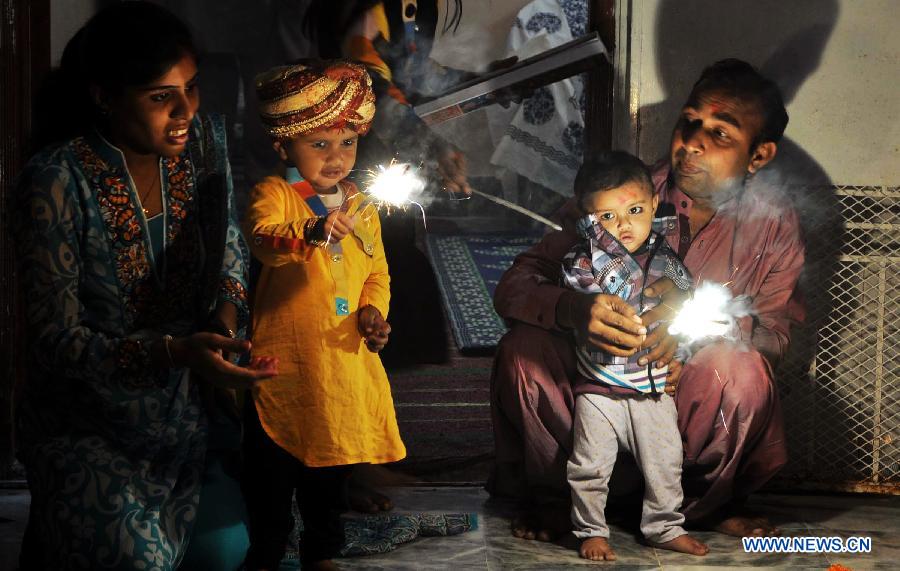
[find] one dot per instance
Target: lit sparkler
(710, 312)
(399, 184)
(395, 186)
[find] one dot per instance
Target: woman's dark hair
(609, 170)
(126, 44)
(741, 80)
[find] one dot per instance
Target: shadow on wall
(240, 39)
(785, 41)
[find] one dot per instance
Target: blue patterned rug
(468, 269)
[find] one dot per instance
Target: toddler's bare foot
(364, 484)
(597, 549)
(684, 544)
(369, 501)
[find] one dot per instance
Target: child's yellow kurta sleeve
(274, 226)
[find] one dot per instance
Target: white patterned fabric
(541, 138)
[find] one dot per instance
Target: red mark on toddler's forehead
(625, 196)
(715, 107)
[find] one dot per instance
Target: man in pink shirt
(732, 229)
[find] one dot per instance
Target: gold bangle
(166, 340)
(311, 228)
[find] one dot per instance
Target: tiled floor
(491, 547)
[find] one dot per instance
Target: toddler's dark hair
(608, 170)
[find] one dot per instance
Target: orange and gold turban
(299, 99)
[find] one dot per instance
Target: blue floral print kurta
(112, 446)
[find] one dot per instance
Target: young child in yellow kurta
(320, 306)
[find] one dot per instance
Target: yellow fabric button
(370, 249)
(336, 258)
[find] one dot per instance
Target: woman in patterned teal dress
(133, 278)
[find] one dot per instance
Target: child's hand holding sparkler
(338, 225)
(373, 328)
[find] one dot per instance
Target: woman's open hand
(202, 353)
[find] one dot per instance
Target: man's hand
(673, 376)
(202, 353)
(453, 170)
(662, 345)
(337, 226)
(373, 328)
(604, 321)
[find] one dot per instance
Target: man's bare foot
(597, 549)
(683, 544)
(546, 524)
(746, 526)
(324, 565)
(525, 527)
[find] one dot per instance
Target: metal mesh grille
(841, 410)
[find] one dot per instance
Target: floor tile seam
(810, 531)
(656, 556)
(483, 527)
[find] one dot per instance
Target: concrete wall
(66, 17)
(837, 62)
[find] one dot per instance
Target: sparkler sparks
(395, 186)
(722, 412)
(710, 312)
(723, 421)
